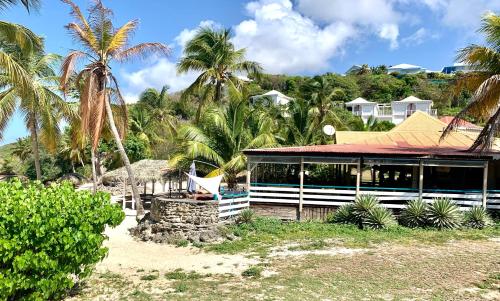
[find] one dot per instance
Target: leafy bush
(365, 212)
(247, 216)
(343, 215)
(362, 206)
(442, 213)
(378, 218)
(415, 214)
(477, 218)
(254, 271)
(50, 237)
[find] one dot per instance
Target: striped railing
(232, 204)
(395, 198)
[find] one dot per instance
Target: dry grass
(459, 270)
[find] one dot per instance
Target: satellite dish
(329, 130)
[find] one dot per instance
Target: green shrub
(378, 218)
(254, 271)
(442, 213)
(50, 237)
(362, 206)
(415, 214)
(343, 215)
(477, 218)
(247, 216)
(181, 287)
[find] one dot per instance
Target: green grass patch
(181, 287)
(254, 271)
(264, 233)
(149, 277)
(315, 245)
(492, 282)
(179, 274)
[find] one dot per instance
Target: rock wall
(172, 220)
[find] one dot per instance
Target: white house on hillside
(405, 69)
(274, 96)
(396, 112)
(457, 67)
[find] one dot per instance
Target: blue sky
(292, 37)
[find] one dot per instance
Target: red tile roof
(462, 122)
(362, 149)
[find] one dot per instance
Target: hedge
(50, 237)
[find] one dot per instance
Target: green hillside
(6, 150)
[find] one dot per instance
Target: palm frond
(142, 50)
(8, 102)
(121, 36)
(68, 67)
(21, 36)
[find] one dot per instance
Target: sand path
(127, 255)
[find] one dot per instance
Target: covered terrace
(332, 175)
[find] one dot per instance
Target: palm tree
(301, 125)
(221, 136)
(26, 3)
(212, 53)
(42, 108)
(22, 149)
(486, 81)
(103, 44)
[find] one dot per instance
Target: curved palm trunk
(34, 146)
(94, 174)
(126, 162)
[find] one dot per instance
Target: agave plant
(477, 218)
(343, 215)
(361, 207)
(414, 215)
(442, 213)
(247, 216)
(378, 218)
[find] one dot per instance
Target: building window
(357, 110)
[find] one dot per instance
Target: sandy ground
(127, 255)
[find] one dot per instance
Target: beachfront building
(275, 97)
(405, 69)
(396, 112)
(397, 166)
(457, 67)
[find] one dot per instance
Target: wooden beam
(358, 177)
(420, 179)
(249, 174)
(301, 187)
(485, 184)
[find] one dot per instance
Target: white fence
(338, 196)
(233, 204)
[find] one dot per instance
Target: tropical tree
(22, 149)
(100, 96)
(212, 53)
(26, 3)
(486, 82)
(41, 107)
(151, 118)
(221, 136)
(301, 126)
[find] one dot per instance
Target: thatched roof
(144, 171)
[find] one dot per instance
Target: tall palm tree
(28, 4)
(221, 136)
(42, 107)
(301, 124)
(103, 44)
(212, 53)
(486, 81)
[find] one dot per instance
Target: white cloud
(284, 41)
(187, 34)
(465, 14)
(419, 36)
(376, 16)
(162, 72)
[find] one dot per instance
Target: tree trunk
(34, 146)
(94, 174)
(126, 162)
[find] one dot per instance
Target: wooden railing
(395, 198)
(232, 204)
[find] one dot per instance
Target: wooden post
(301, 186)
(124, 197)
(145, 185)
(153, 189)
(358, 177)
(249, 173)
(485, 184)
(420, 179)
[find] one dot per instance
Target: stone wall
(172, 220)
